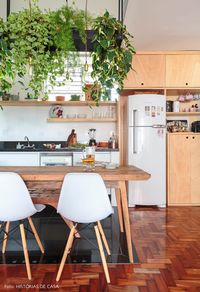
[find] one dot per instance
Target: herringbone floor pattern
(168, 245)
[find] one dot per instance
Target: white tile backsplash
(17, 122)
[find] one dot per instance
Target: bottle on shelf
(112, 142)
(72, 139)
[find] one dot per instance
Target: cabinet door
(183, 71)
(19, 159)
(195, 168)
(179, 169)
(149, 71)
(115, 157)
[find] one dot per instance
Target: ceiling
(164, 25)
(155, 24)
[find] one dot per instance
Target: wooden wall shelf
(50, 103)
(75, 120)
(182, 113)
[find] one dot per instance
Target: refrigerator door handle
(134, 141)
(158, 126)
(134, 117)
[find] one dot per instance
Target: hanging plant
(112, 55)
(29, 33)
(6, 72)
(69, 20)
(41, 44)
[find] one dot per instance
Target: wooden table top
(49, 173)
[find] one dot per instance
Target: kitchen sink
(29, 147)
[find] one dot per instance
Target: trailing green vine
(6, 72)
(40, 45)
(112, 56)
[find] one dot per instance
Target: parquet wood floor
(168, 245)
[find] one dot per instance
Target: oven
(56, 159)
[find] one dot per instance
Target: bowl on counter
(110, 165)
(71, 116)
(103, 144)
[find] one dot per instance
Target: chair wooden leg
(105, 266)
(28, 268)
(66, 251)
(70, 224)
(119, 208)
(36, 234)
(5, 239)
(103, 237)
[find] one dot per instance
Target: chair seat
(84, 199)
(39, 207)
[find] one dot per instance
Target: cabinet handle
(186, 83)
(142, 83)
(187, 137)
(193, 137)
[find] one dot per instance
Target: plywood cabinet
(183, 169)
(195, 168)
(182, 70)
(149, 72)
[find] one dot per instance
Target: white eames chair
(16, 205)
(84, 199)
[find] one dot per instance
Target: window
(74, 86)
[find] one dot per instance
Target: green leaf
(105, 43)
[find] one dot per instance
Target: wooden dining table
(44, 184)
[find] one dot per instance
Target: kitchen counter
(66, 149)
(10, 146)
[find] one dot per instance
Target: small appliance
(196, 126)
(92, 133)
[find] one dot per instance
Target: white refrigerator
(147, 148)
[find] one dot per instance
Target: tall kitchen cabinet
(182, 70)
(149, 72)
(183, 168)
(173, 74)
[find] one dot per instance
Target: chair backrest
(84, 198)
(15, 200)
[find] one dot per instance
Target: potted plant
(112, 55)
(92, 92)
(41, 44)
(75, 97)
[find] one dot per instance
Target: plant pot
(90, 93)
(60, 98)
(80, 46)
(14, 97)
(6, 97)
(75, 97)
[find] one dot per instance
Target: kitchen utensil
(92, 133)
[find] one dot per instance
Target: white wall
(95, 7)
(3, 9)
(17, 122)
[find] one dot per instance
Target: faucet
(27, 139)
